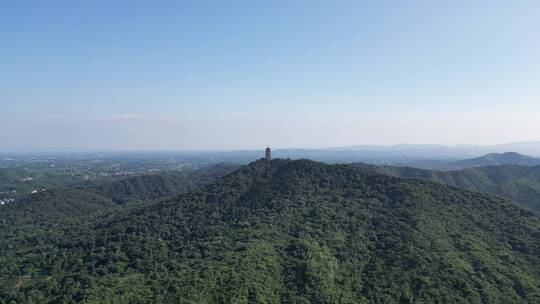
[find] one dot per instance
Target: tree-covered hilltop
(286, 232)
(498, 159)
(519, 183)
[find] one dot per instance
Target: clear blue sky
(109, 75)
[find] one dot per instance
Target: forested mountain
(519, 183)
(497, 159)
(286, 232)
(58, 203)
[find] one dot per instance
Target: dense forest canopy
(519, 183)
(285, 232)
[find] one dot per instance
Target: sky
(168, 75)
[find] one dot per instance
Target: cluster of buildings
(6, 200)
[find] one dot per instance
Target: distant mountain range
(532, 147)
(497, 159)
(428, 156)
(431, 156)
(411, 151)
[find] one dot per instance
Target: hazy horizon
(102, 76)
(525, 147)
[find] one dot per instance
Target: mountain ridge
(497, 159)
(518, 183)
(285, 231)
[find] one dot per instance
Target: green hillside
(61, 203)
(286, 232)
(162, 185)
(519, 183)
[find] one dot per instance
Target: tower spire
(268, 154)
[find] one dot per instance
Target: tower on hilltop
(268, 154)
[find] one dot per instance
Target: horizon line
(229, 150)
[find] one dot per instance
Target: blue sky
(132, 75)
